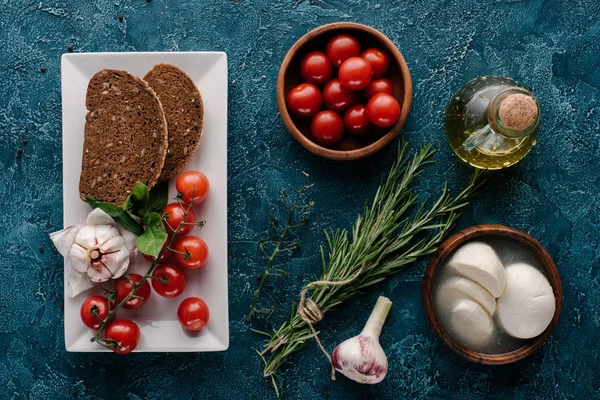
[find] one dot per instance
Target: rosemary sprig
(282, 246)
(384, 241)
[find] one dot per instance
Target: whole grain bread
(184, 110)
(125, 138)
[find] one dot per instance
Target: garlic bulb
(95, 252)
(361, 358)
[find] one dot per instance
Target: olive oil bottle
(492, 122)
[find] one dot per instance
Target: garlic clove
(113, 244)
(129, 239)
(106, 233)
(86, 237)
(99, 217)
(64, 239)
(99, 271)
(79, 258)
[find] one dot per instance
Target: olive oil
(492, 122)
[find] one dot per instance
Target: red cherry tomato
(316, 68)
(342, 47)
(174, 212)
(190, 252)
(379, 60)
(304, 100)
(379, 86)
(383, 110)
(97, 303)
(168, 280)
(337, 97)
(124, 286)
(164, 258)
(193, 314)
(193, 186)
(122, 336)
(355, 73)
(327, 128)
(356, 120)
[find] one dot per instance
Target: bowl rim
(447, 248)
(322, 151)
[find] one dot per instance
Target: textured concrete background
(553, 47)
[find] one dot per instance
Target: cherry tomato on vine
(193, 313)
(316, 68)
(379, 60)
(193, 186)
(342, 47)
(337, 97)
(356, 120)
(163, 259)
(124, 286)
(355, 73)
(97, 303)
(190, 252)
(304, 100)
(174, 215)
(168, 280)
(327, 128)
(122, 336)
(379, 86)
(383, 110)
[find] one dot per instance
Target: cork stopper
(518, 111)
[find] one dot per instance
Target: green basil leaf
(118, 214)
(155, 236)
(159, 197)
(137, 202)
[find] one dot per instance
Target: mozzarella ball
(478, 262)
(471, 324)
(527, 305)
(457, 288)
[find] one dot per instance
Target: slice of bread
(182, 103)
(125, 138)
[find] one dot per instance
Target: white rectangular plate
(158, 317)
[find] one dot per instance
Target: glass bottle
(492, 122)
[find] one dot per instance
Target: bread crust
(125, 137)
(184, 112)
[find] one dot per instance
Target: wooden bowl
(350, 147)
(439, 259)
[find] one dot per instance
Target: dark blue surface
(552, 47)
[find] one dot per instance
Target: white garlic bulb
(95, 252)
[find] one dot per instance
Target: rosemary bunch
(383, 241)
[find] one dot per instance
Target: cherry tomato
(190, 252)
(337, 97)
(174, 212)
(164, 258)
(124, 286)
(193, 313)
(168, 280)
(356, 120)
(342, 47)
(379, 86)
(355, 73)
(123, 336)
(379, 60)
(97, 303)
(316, 68)
(304, 100)
(383, 110)
(327, 128)
(193, 186)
